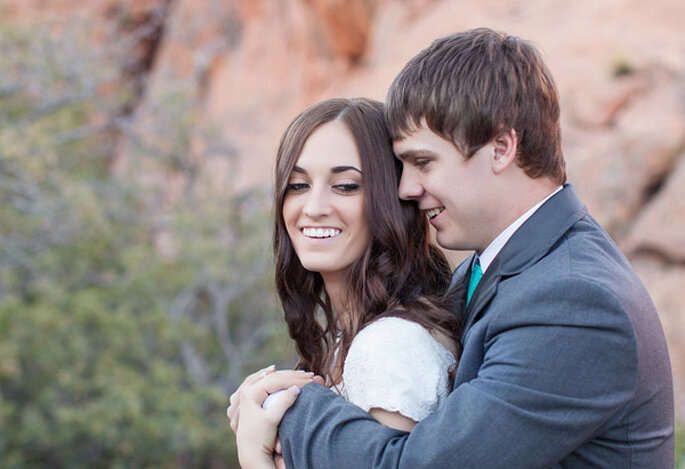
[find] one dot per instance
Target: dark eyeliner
(295, 186)
(347, 188)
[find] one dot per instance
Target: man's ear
(505, 146)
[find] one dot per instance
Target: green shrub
(114, 351)
(679, 446)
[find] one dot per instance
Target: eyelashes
(296, 187)
(345, 189)
(421, 163)
(350, 188)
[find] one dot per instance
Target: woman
(362, 288)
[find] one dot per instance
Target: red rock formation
(345, 24)
(660, 227)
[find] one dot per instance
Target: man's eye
(296, 187)
(347, 188)
(421, 163)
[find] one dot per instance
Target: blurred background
(136, 147)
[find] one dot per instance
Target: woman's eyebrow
(334, 169)
(342, 169)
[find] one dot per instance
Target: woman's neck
(336, 289)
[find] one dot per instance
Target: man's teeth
(320, 232)
(434, 212)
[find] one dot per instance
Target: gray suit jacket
(564, 365)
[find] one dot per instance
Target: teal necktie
(476, 275)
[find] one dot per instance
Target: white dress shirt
(498, 243)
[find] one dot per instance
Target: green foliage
(125, 322)
(679, 446)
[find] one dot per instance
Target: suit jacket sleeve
(549, 379)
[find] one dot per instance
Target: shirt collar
(498, 243)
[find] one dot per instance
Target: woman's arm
(392, 419)
(257, 430)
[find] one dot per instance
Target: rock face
(248, 66)
(659, 228)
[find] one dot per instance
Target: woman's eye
(347, 188)
(296, 187)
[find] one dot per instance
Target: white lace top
(396, 365)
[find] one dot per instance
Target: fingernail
(271, 367)
(295, 389)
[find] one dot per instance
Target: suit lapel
(462, 272)
(528, 244)
(460, 279)
(485, 291)
(541, 231)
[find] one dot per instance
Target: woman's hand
(256, 428)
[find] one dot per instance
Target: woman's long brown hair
(400, 274)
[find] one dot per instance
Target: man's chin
(448, 242)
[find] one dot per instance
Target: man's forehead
(416, 136)
(424, 142)
(410, 127)
(412, 146)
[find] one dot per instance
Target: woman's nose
(318, 203)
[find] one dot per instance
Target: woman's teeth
(320, 232)
(433, 212)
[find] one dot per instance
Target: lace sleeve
(396, 365)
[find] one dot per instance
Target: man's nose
(410, 188)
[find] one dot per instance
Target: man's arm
(324, 430)
(547, 383)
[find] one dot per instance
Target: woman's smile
(312, 232)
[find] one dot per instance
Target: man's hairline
(415, 127)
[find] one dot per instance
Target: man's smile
(434, 212)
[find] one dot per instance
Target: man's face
(451, 189)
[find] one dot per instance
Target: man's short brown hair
(471, 86)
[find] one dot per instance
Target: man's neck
(496, 245)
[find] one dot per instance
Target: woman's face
(323, 207)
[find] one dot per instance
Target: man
(564, 360)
